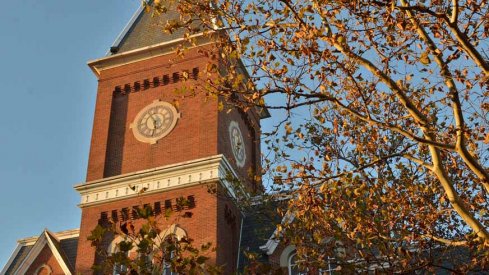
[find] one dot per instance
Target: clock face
(237, 143)
(154, 122)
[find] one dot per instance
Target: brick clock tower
(146, 135)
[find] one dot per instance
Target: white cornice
(271, 244)
(180, 175)
(144, 53)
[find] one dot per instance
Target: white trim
(11, 259)
(65, 234)
(271, 244)
(57, 254)
(239, 243)
(286, 255)
(155, 180)
(276, 197)
(112, 248)
(289, 262)
(173, 229)
(32, 255)
(144, 53)
(41, 266)
(29, 241)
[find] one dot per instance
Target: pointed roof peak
(46, 238)
(146, 28)
(51, 235)
(63, 246)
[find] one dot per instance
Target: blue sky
(46, 108)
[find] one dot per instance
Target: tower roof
(146, 28)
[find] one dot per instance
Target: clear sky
(46, 108)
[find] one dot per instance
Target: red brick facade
(249, 123)
(114, 149)
(202, 131)
(45, 261)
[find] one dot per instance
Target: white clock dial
(154, 122)
(237, 143)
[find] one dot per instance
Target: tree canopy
(380, 137)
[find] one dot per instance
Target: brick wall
(201, 131)
(228, 229)
(249, 125)
(114, 149)
(46, 257)
(202, 226)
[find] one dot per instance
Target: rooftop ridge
(61, 235)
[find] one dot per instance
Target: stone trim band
(180, 175)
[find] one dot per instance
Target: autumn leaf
(424, 58)
(486, 140)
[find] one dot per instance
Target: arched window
(159, 259)
(292, 265)
(173, 235)
(168, 241)
(119, 268)
(44, 270)
(166, 266)
(289, 261)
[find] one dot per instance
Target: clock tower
(156, 130)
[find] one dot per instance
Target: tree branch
(418, 161)
(461, 147)
(467, 47)
(438, 168)
(454, 17)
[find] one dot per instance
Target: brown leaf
(424, 58)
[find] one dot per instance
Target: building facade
(158, 136)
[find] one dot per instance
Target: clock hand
(154, 121)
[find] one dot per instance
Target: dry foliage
(145, 246)
(381, 121)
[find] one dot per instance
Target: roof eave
(144, 53)
(11, 259)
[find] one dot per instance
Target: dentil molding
(155, 180)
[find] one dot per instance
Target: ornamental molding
(155, 180)
(156, 81)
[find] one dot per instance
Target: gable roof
(63, 245)
(146, 28)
